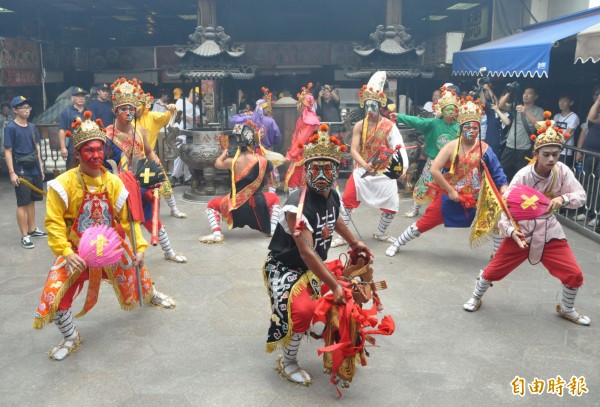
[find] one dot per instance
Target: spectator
(101, 107)
(191, 117)
(21, 141)
(67, 117)
(518, 144)
(497, 121)
(6, 115)
(434, 98)
(568, 121)
(328, 108)
(160, 104)
(590, 140)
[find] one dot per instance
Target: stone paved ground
(209, 351)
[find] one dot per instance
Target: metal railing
(585, 219)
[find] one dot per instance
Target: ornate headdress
(305, 97)
(247, 133)
(373, 90)
(321, 146)
(86, 130)
(126, 92)
(146, 99)
(469, 110)
(265, 102)
(548, 134)
(447, 98)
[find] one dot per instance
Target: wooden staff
(155, 210)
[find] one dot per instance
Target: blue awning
(526, 53)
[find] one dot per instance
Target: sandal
(176, 258)
(176, 213)
(65, 348)
(292, 372)
(472, 305)
(392, 250)
(573, 316)
(212, 238)
(384, 238)
(338, 241)
(161, 300)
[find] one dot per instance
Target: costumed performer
(438, 131)
(126, 141)
(153, 122)
(545, 239)
(454, 192)
(366, 184)
(306, 125)
(262, 117)
(246, 204)
(294, 269)
(82, 197)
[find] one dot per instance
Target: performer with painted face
(246, 204)
(544, 237)
(306, 125)
(270, 133)
(438, 132)
(370, 137)
(294, 269)
(82, 197)
(153, 122)
(457, 173)
(126, 142)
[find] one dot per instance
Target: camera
(484, 81)
(513, 87)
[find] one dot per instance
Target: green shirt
(437, 131)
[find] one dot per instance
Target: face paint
(321, 174)
(126, 113)
(92, 154)
(372, 108)
(448, 112)
(469, 130)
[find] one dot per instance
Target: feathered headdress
(86, 130)
(447, 98)
(469, 110)
(126, 92)
(321, 146)
(373, 90)
(305, 97)
(548, 134)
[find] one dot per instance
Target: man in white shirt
(568, 121)
(190, 116)
(434, 98)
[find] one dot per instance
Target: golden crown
(469, 110)
(146, 99)
(367, 93)
(86, 130)
(548, 133)
(321, 146)
(126, 92)
(447, 98)
(305, 97)
(265, 104)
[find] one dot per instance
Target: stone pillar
(393, 12)
(207, 13)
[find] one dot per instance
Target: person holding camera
(518, 144)
(328, 108)
(24, 162)
(497, 121)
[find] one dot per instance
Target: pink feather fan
(100, 246)
(526, 203)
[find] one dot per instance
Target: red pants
(67, 299)
(271, 198)
(303, 309)
(557, 258)
(432, 217)
(349, 196)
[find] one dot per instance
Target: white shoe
(412, 213)
(176, 213)
(472, 305)
(292, 372)
(162, 300)
(65, 348)
(573, 316)
(593, 223)
(338, 241)
(392, 250)
(212, 238)
(384, 238)
(176, 258)
(581, 217)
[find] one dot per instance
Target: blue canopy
(526, 53)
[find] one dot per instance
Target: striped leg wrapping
(345, 213)
(290, 352)
(384, 222)
(411, 232)
(171, 202)
(481, 286)
(275, 209)
(214, 219)
(568, 298)
(64, 322)
(165, 243)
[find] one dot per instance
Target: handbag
(30, 160)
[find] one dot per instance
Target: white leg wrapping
(71, 339)
(411, 232)
(214, 219)
(497, 241)
(567, 307)
(165, 243)
(385, 220)
(275, 210)
(64, 321)
(345, 213)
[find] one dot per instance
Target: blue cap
(18, 101)
(78, 91)
(104, 86)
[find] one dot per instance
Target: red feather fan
(525, 203)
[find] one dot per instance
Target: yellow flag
(489, 209)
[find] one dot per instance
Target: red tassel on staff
(155, 209)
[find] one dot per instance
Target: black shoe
(37, 233)
(174, 181)
(188, 182)
(26, 242)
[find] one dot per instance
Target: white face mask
(372, 108)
